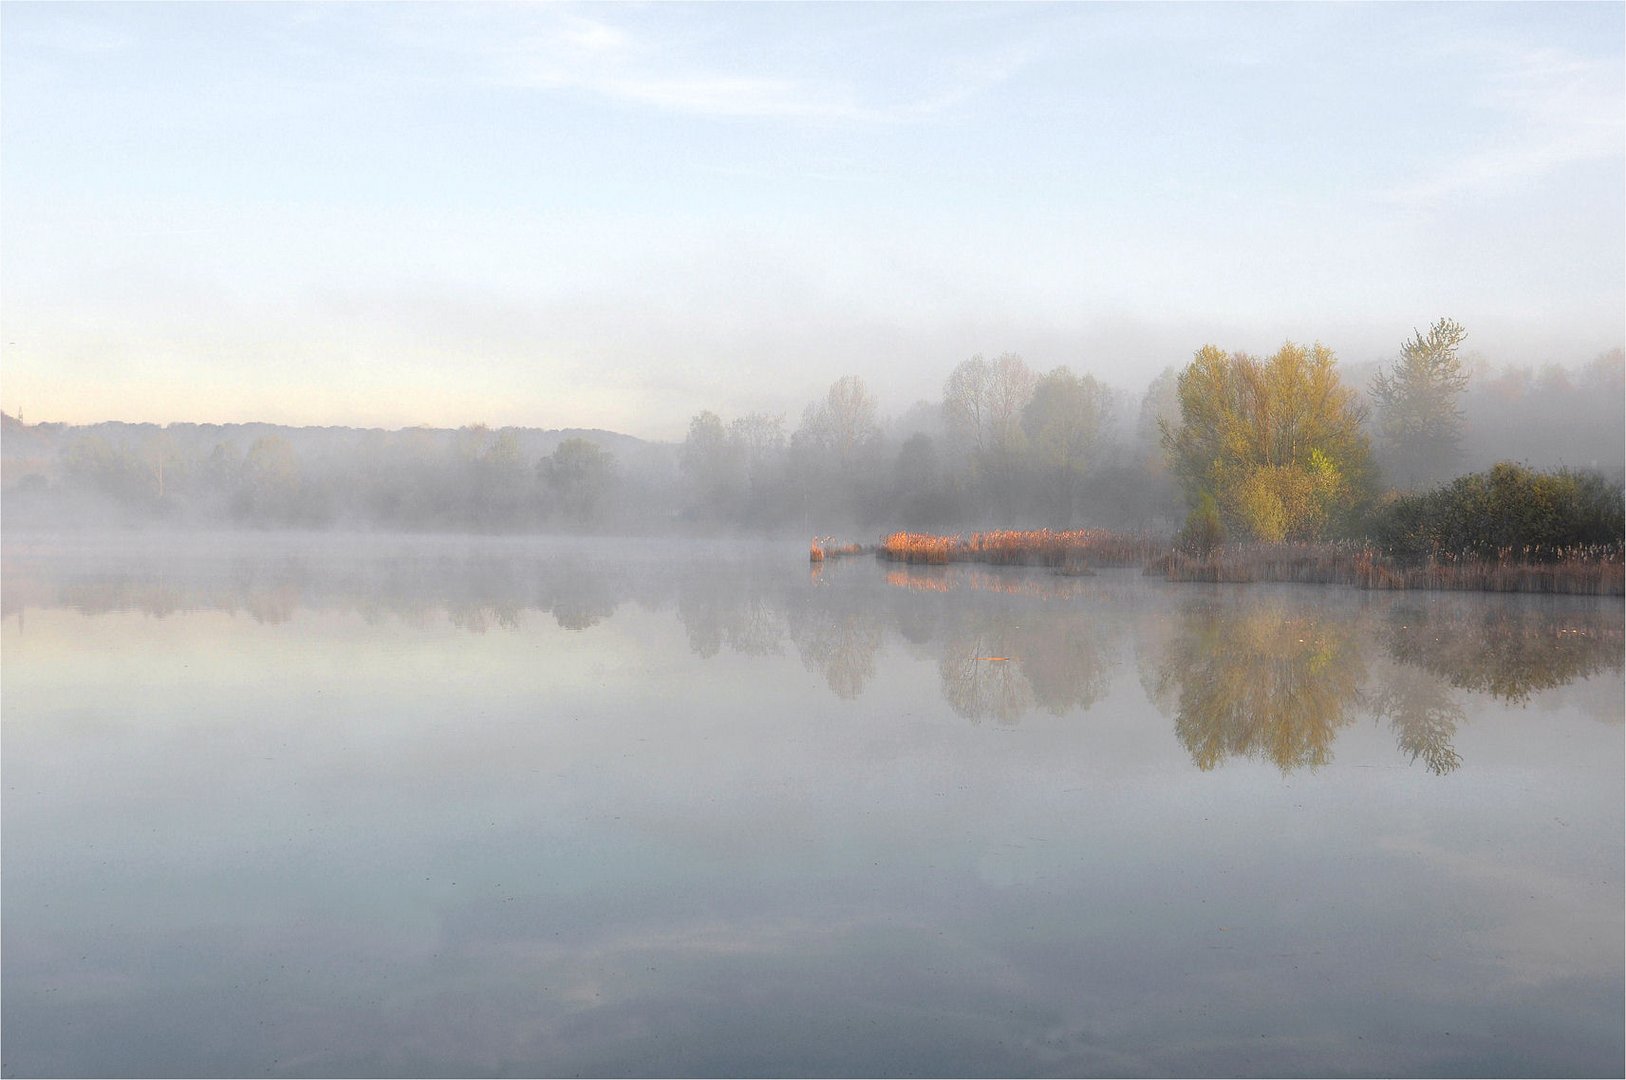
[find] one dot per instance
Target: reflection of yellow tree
(1507, 652)
(1262, 682)
(1424, 715)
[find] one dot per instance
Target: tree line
(1282, 447)
(473, 478)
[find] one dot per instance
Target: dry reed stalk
(1074, 549)
(825, 547)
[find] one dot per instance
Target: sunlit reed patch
(1072, 550)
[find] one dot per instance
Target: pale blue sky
(615, 215)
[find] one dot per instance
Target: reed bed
(825, 547)
(1071, 549)
(1595, 570)
(921, 548)
(1583, 572)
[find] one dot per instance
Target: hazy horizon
(901, 416)
(616, 216)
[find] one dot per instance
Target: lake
(381, 806)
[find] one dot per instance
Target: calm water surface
(442, 807)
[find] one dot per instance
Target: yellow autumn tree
(1276, 442)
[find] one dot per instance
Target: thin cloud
(597, 57)
(1561, 110)
(81, 35)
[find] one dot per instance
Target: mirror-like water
(437, 807)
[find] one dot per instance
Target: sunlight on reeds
(1072, 550)
(825, 547)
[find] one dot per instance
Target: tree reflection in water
(841, 645)
(1423, 713)
(1069, 660)
(1004, 664)
(1012, 641)
(747, 621)
(983, 676)
(1508, 652)
(1266, 681)
(1274, 682)
(1267, 674)
(478, 618)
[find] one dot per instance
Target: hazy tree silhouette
(577, 476)
(1418, 409)
(982, 410)
(1064, 423)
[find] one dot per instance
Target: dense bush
(1203, 531)
(1508, 511)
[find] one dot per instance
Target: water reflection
(1424, 714)
(1270, 674)
(1003, 663)
(1509, 652)
(552, 810)
(983, 676)
(475, 593)
(1268, 682)
(1277, 679)
(840, 645)
(746, 620)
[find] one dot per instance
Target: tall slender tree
(982, 408)
(1064, 423)
(1418, 411)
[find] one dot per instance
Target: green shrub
(1203, 531)
(1509, 511)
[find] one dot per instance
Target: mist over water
(386, 805)
(608, 539)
